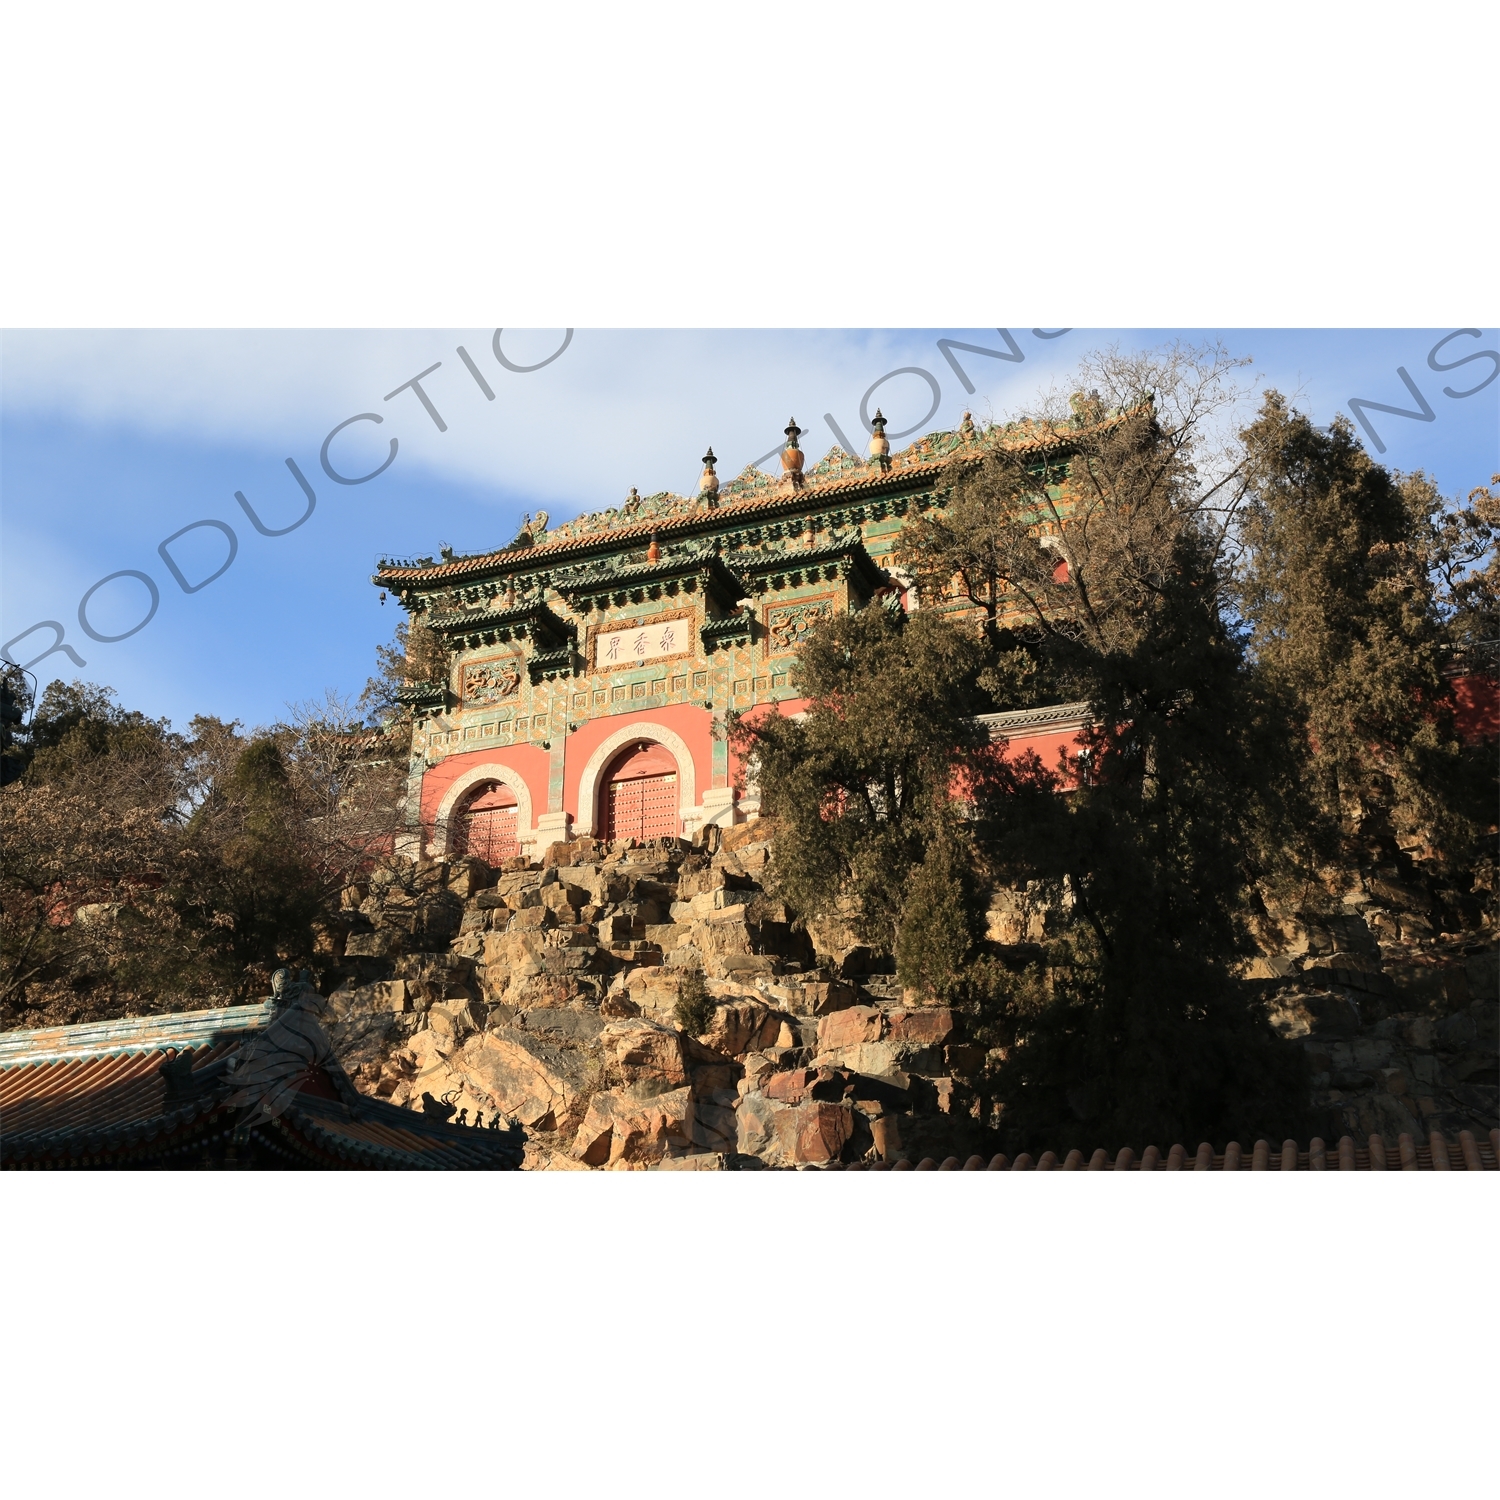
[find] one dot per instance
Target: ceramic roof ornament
(880, 444)
(792, 456)
(708, 481)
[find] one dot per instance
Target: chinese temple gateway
(592, 664)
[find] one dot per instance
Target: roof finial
(791, 456)
(708, 482)
(880, 444)
(966, 428)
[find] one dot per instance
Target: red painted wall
(693, 724)
(1476, 707)
(787, 708)
(684, 719)
(1047, 746)
(528, 761)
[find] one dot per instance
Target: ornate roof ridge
(191, 1028)
(1059, 714)
(581, 578)
(755, 490)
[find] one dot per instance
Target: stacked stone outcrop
(555, 994)
(1394, 990)
(1389, 978)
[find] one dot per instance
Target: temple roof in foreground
(248, 1085)
(1436, 1154)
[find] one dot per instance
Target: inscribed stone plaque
(657, 639)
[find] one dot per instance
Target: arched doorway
(640, 795)
(486, 825)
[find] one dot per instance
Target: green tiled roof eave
(852, 552)
(133, 1034)
(707, 522)
(770, 497)
(718, 579)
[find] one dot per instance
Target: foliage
(1102, 578)
(1067, 532)
(416, 654)
(77, 723)
(1355, 584)
(939, 927)
(79, 878)
(1470, 594)
(1186, 799)
(695, 1006)
(1089, 1060)
(141, 868)
(242, 873)
(860, 784)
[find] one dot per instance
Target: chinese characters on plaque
(641, 643)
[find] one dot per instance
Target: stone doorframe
(442, 831)
(589, 787)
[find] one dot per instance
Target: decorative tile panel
(490, 681)
(788, 624)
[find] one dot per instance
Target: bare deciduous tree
(1067, 528)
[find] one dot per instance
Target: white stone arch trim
(454, 796)
(598, 763)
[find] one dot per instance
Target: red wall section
(694, 725)
(1476, 707)
(684, 719)
(528, 761)
(1047, 747)
(787, 708)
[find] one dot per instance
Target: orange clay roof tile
(96, 1094)
(89, 1095)
(1436, 1154)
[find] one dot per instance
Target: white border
(587, 818)
(490, 771)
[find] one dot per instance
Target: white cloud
(616, 409)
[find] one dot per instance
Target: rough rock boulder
(645, 1052)
(632, 1126)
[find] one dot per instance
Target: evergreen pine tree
(1352, 578)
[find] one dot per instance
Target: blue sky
(112, 441)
